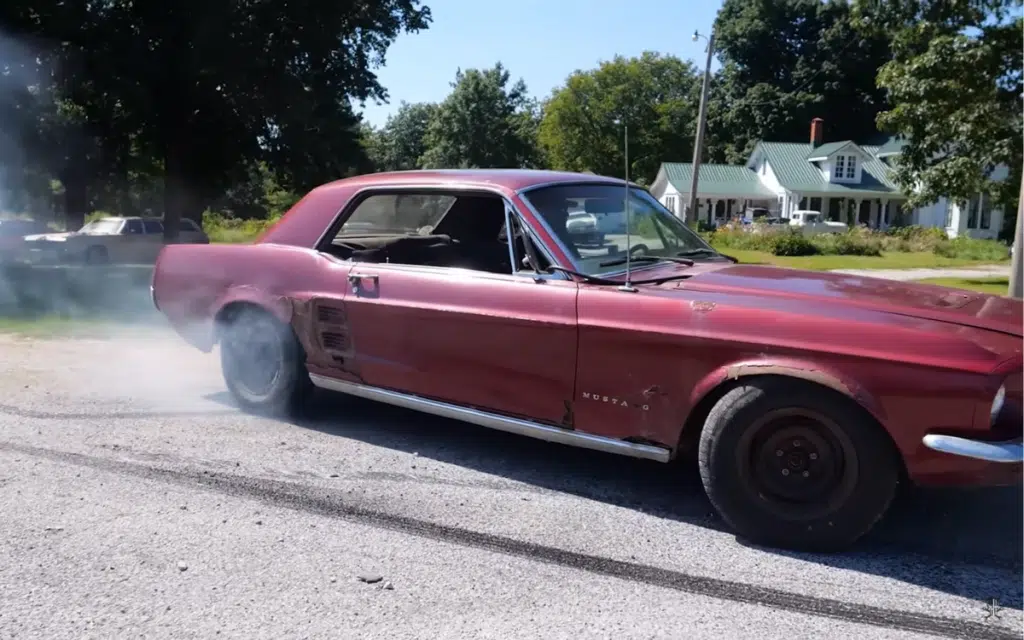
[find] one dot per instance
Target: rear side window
(135, 226)
(400, 214)
(153, 226)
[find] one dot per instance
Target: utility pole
(698, 146)
(1016, 266)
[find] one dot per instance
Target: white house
(844, 180)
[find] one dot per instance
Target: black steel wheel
(796, 465)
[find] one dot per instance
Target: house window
(986, 212)
(851, 167)
(972, 214)
(840, 166)
(670, 203)
(949, 214)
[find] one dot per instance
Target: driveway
(981, 271)
(137, 501)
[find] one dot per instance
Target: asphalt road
(135, 501)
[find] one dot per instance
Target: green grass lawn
(893, 260)
(49, 325)
(997, 286)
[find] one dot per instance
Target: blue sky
(541, 41)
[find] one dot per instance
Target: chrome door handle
(356, 280)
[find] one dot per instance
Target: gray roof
(717, 179)
(789, 161)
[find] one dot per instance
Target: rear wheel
(263, 363)
(795, 465)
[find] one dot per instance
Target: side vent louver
(334, 341)
(330, 315)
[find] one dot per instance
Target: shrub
(233, 230)
(759, 239)
(855, 242)
(792, 243)
(913, 238)
(972, 249)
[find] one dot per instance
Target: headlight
(997, 403)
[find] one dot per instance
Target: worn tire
(288, 386)
(742, 460)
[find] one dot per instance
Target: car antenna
(627, 286)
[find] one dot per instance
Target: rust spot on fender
(811, 375)
(702, 306)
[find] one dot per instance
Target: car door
(152, 241)
(128, 246)
(504, 343)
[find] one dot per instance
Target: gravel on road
(138, 501)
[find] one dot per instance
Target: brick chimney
(816, 131)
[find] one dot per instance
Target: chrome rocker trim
(494, 421)
(1007, 452)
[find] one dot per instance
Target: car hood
(49, 237)
(931, 302)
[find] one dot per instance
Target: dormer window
(844, 167)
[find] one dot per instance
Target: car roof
(513, 179)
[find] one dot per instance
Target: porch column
(712, 210)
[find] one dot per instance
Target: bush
(972, 249)
(233, 230)
(792, 243)
(855, 242)
(912, 238)
(760, 239)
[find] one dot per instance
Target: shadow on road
(968, 543)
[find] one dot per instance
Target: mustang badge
(618, 402)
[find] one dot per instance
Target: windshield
(104, 226)
(653, 230)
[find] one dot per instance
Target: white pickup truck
(812, 222)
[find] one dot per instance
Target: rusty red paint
(912, 357)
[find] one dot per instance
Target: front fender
(792, 368)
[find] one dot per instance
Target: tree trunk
(76, 202)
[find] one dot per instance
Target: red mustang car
(807, 396)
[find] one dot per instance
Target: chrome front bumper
(1009, 452)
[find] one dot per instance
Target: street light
(702, 122)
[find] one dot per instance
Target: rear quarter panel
(192, 282)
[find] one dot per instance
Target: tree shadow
(968, 543)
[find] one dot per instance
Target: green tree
(211, 88)
(655, 95)
(785, 62)
(401, 142)
(955, 81)
(484, 122)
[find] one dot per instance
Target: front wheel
(793, 465)
(263, 364)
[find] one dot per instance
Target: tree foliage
(484, 122)
(785, 62)
(401, 143)
(655, 96)
(209, 88)
(955, 82)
